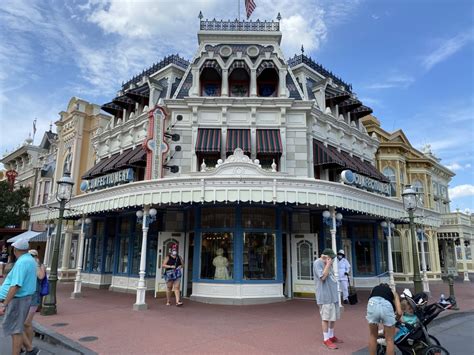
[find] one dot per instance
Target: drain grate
(89, 338)
(59, 324)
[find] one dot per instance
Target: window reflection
(259, 256)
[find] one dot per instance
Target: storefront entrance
(304, 250)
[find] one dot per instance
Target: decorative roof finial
(51, 126)
(200, 16)
(279, 17)
(302, 49)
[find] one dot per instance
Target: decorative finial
(274, 167)
(51, 126)
(302, 49)
(200, 16)
(279, 17)
(203, 166)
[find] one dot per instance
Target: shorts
(15, 315)
(174, 284)
(379, 310)
(329, 312)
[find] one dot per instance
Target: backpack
(44, 288)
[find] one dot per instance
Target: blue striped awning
(31, 236)
(208, 140)
(238, 138)
(269, 141)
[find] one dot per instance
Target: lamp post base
(48, 310)
(75, 295)
(140, 307)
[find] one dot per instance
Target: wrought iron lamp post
(334, 220)
(410, 200)
(388, 227)
(63, 195)
(421, 237)
(145, 217)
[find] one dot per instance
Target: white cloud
(446, 49)
(457, 166)
(461, 191)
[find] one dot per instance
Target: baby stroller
(417, 341)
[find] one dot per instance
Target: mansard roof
(303, 59)
(171, 59)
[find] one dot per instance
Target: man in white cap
(15, 296)
(344, 270)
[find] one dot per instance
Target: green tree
(13, 205)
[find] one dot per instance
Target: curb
(55, 338)
(450, 315)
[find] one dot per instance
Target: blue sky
(412, 61)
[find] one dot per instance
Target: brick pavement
(196, 328)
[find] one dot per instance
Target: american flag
(249, 7)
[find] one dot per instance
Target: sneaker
(382, 341)
(346, 302)
(330, 345)
(336, 340)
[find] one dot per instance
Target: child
(408, 317)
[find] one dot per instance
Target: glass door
(165, 241)
(304, 250)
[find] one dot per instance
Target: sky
(411, 61)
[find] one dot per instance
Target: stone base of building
(237, 301)
(66, 275)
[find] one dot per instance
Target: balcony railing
(236, 25)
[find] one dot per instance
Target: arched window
(210, 79)
(304, 260)
(418, 187)
(267, 79)
(239, 79)
(67, 162)
(390, 174)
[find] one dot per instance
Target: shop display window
(259, 256)
(217, 256)
(109, 246)
(124, 235)
(136, 249)
(254, 217)
(98, 246)
(365, 261)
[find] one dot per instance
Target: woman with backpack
(35, 299)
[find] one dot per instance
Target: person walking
(327, 296)
(173, 265)
(15, 296)
(344, 269)
(35, 299)
(383, 308)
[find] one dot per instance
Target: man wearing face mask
(344, 270)
(327, 296)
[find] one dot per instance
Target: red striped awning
(323, 155)
(269, 141)
(238, 138)
(208, 140)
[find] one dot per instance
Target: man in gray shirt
(327, 296)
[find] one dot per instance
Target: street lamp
(145, 217)
(388, 227)
(421, 237)
(63, 195)
(334, 220)
(410, 204)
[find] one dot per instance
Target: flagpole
(238, 8)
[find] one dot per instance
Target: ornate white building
(238, 149)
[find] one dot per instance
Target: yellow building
(404, 165)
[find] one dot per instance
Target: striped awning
(323, 155)
(28, 235)
(130, 157)
(211, 63)
(238, 138)
(266, 64)
(96, 169)
(208, 140)
(239, 64)
(269, 141)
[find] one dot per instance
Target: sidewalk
(282, 328)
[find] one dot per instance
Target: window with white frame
(397, 252)
(417, 185)
(426, 250)
(390, 174)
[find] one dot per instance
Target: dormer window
(239, 79)
(210, 79)
(267, 79)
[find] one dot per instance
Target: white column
(225, 83)
(390, 259)
(334, 248)
(80, 256)
(464, 260)
(141, 289)
(195, 87)
(426, 285)
(66, 250)
(253, 82)
(282, 82)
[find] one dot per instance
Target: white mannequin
(221, 263)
